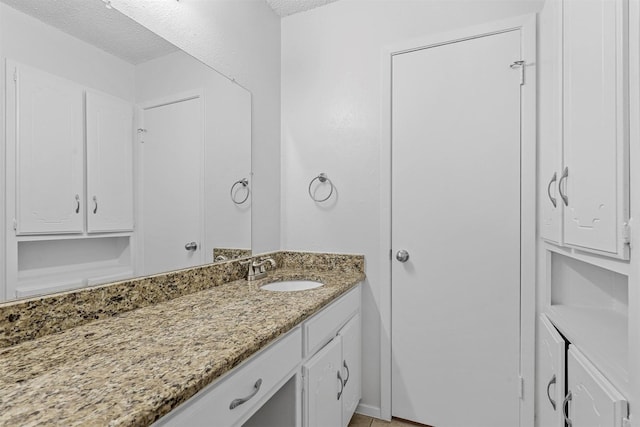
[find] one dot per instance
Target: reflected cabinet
(52, 195)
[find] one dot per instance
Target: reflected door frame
(527, 26)
(137, 245)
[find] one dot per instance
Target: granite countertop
(134, 367)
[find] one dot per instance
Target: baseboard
(369, 411)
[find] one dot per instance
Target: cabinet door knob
(346, 380)
(341, 385)
(551, 382)
(554, 178)
(237, 402)
(565, 409)
(402, 255)
(77, 203)
(565, 174)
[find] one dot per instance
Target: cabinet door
(595, 124)
(323, 387)
(351, 367)
(550, 119)
(551, 375)
(109, 163)
(49, 151)
(593, 400)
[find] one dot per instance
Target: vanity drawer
(211, 406)
(321, 328)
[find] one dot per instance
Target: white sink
(291, 285)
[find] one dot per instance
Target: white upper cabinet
(48, 119)
(584, 126)
(595, 124)
(49, 153)
(109, 163)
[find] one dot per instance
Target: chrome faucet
(257, 269)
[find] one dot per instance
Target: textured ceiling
(289, 7)
(92, 22)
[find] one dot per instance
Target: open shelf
(589, 305)
(46, 266)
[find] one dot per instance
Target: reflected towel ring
(322, 178)
(245, 183)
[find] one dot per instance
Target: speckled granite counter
(134, 367)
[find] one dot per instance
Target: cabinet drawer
(321, 328)
(211, 406)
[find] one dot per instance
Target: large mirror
(124, 156)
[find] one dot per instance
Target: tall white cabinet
(69, 177)
(584, 125)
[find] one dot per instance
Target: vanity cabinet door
(551, 375)
(591, 399)
(109, 163)
(49, 153)
(323, 386)
(351, 367)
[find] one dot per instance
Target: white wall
(331, 82)
(241, 39)
(227, 131)
(31, 42)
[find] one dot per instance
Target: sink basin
(291, 285)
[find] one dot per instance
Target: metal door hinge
(520, 65)
(520, 387)
(626, 233)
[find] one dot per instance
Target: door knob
(191, 246)
(402, 255)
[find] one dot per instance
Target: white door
(551, 375)
(550, 120)
(592, 399)
(171, 186)
(595, 135)
(351, 367)
(50, 157)
(322, 387)
(109, 163)
(456, 211)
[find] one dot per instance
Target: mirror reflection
(124, 155)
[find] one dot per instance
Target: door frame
(137, 246)
(527, 25)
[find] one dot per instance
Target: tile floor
(363, 421)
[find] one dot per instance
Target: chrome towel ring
(245, 184)
(322, 178)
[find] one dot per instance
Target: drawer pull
(237, 402)
(565, 409)
(346, 380)
(551, 382)
(341, 385)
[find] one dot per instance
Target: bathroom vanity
(229, 354)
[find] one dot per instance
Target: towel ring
(245, 183)
(322, 178)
